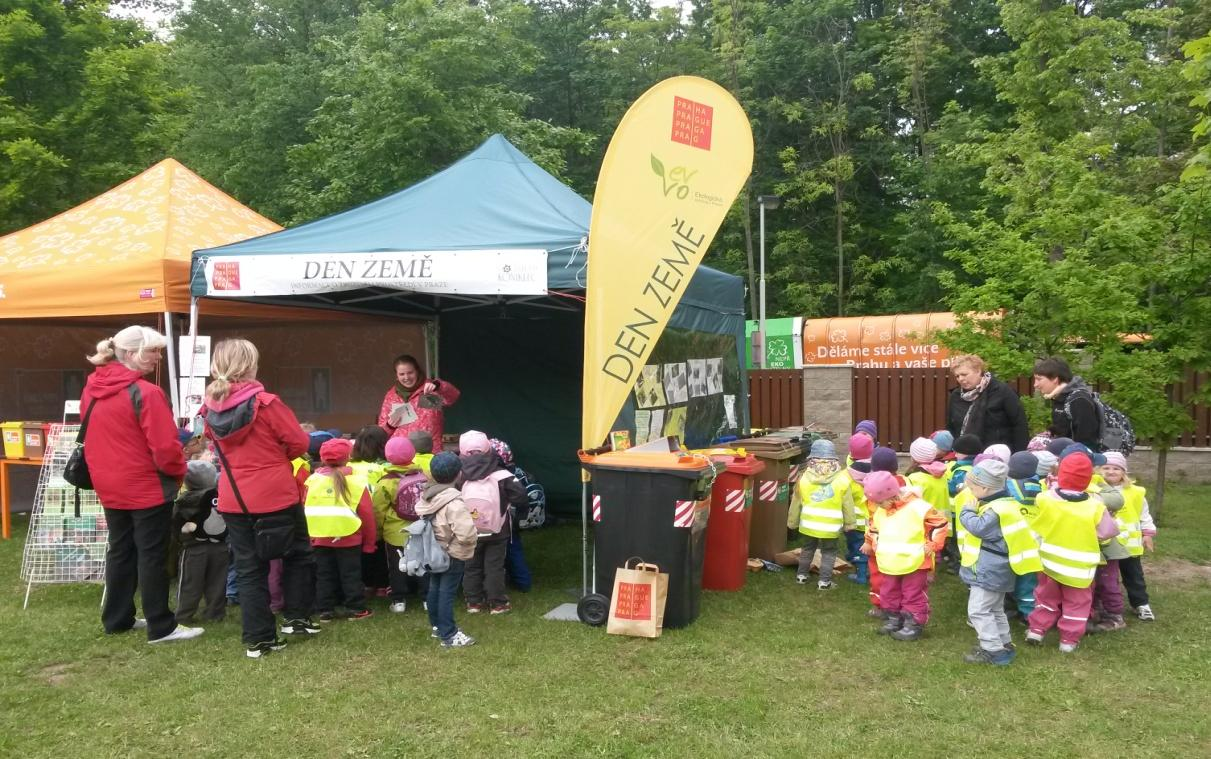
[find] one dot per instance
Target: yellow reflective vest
(1129, 518)
(935, 490)
(1019, 539)
(1069, 550)
(821, 510)
(859, 498)
(327, 515)
(900, 545)
(956, 527)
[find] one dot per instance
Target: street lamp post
(763, 202)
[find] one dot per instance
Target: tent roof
(126, 251)
(494, 197)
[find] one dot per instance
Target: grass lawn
(776, 670)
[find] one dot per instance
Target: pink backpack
(482, 498)
(411, 488)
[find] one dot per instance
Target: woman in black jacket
(984, 406)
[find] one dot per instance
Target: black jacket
(1001, 418)
(199, 507)
(1074, 414)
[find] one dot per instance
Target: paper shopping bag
(637, 605)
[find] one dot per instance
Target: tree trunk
(1158, 493)
(839, 222)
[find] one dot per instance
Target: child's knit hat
(444, 467)
(503, 450)
(968, 445)
(989, 474)
(400, 450)
(1058, 444)
(336, 452)
(1023, 465)
(944, 440)
(1039, 442)
(422, 440)
(473, 441)
(880, 486)
(1096, 458)
(923, 450)
(1076, 471)
(861, 446)
(1114, 458)
(869, 427)
(823, 449)
(1047, 462)
(884, 460)
(1000, 451)
(315, 440)
(201, 475)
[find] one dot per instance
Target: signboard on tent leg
(673, 168)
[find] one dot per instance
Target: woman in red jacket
(136, 464)
(416, 402)
(256, 436)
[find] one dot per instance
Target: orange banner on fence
(672, 170)
(903, 341)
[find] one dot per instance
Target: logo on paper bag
(634, 601)
(226, 275)
(692, 123)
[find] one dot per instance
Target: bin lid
(773, 447)
(677, 464)
(742, 465)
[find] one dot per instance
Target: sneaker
(361, 614)
(1111, 623)
(475, 608)
(1143, 612)
(434, 633)
(141, 624)
(1034, 638)
(300, 627)
(326, 616)
(181, 633)
(912, 630)
(1011, 647)
(459, 640)
(257, 650)
(398, 607)
(824, 585)
(801, 579)
(425, 605)
(895, 621)
(1002, 658)
(504, 608)
(1067, 648)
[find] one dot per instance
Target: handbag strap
(84, 422)
(230, 478)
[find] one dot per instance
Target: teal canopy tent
(514, 350)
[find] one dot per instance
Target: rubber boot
(895, 620)
(1111, 623)
(861, 574)
(910, 631)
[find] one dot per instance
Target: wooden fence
(908, 403)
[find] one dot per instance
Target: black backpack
(1115, 432)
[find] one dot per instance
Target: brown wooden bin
(783, 452)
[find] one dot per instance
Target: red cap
(1076, 470)
(336, 451)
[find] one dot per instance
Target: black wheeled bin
(654, 506)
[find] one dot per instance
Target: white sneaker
(1067, 648)
(460, 640)
(434, 633)
(181, 633)
(824, 585)
(1033, 638)
(140, 624)
(398, 607)
(1145, 613)
(801, 579)
(425, 604)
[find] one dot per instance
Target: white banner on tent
(466, 272)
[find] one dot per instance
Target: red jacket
(366, 537)
(135, 460)
(258, 435)
(431, 419)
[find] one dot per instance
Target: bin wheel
(593, 609)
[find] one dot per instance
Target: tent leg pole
(584, 538)
(173, 370)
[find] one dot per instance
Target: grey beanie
(989, 474)
(422, 440)
(823, 449)
(201, 475)
(1023, 465)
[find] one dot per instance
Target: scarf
(973, 420)
(934, 468)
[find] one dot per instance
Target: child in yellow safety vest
(861, 447)
(1135, 519)
(401, 472)
(826, 507)
(903, 536)
(367, 461)
(966, 448)
(1071, 523)
(340, 521)
(997, 546)
(928, 475)
(422, 442)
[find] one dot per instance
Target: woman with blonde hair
(136, 464)
(984, 406)
(255, 436)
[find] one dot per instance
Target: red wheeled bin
(727, 530)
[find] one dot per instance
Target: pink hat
(880, 486)
(999, 451)
(473, 441)
(400, 450)
(923, 450)
(1114, 458)
(861, 446)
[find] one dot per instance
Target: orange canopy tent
(126, 251)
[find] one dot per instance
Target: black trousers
(402, 584)
(484, 579)
(339, 579)
(1132, 572)
(252, 573)
(202, 573)
(135, 559)
(374, 567)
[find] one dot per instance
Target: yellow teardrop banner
(673, 168)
